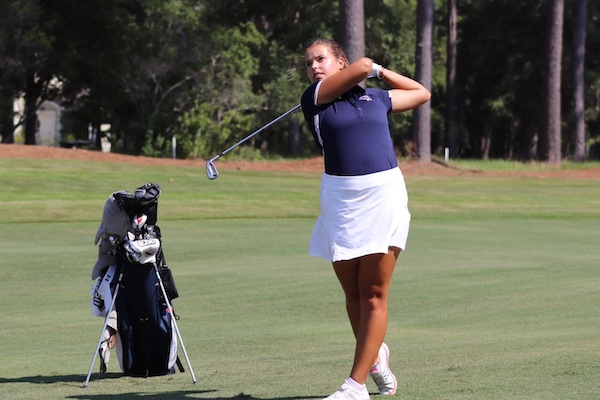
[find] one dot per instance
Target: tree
(579, 33)
(550, 136)
(450, 116)
(499, 83)
(6, 118)
(65, 51)
(352, 28)
(423, 55)
(25, 43)
(281, 77)
(226, 106)
(157, 69)
(91, 42)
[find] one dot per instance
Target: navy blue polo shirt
(353, 131)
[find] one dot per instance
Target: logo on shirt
(365, 97)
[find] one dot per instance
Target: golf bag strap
(167, 277)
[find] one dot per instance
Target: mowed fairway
(496, 297)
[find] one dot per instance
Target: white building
(48, 122)
(48, 127)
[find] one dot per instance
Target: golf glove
(375, 71)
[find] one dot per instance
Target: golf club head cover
(147, 200)
(147, 194)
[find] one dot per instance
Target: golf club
(211, 170)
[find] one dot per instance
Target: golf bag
(132, 268)
(148, 341)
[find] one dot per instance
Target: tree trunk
(421, 118)
(527, 134)
(450, 117)
(352, 28)
(486, 139)
(579, 33)
(6, 120)
(295, 135)
(550, 138)
(31, 97)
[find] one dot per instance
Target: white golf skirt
(361, 215)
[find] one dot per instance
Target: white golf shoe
(346, 392)
(381, 373)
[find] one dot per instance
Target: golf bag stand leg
(112, 305)
(171, 311)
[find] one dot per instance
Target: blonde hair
(333, 46)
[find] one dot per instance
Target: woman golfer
(364, 218)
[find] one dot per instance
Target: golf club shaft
(285, 114)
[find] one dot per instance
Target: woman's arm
(406, 93)
(339, 83)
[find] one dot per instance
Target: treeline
(208, 72)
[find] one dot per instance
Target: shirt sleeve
(311, 110)
(385, 96)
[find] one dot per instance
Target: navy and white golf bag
(134, 288)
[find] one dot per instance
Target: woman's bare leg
(366, 282)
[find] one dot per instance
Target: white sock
(355, 385)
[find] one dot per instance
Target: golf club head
(211, 170)
(139, 221)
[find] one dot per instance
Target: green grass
(496, 297)
(518, 166)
